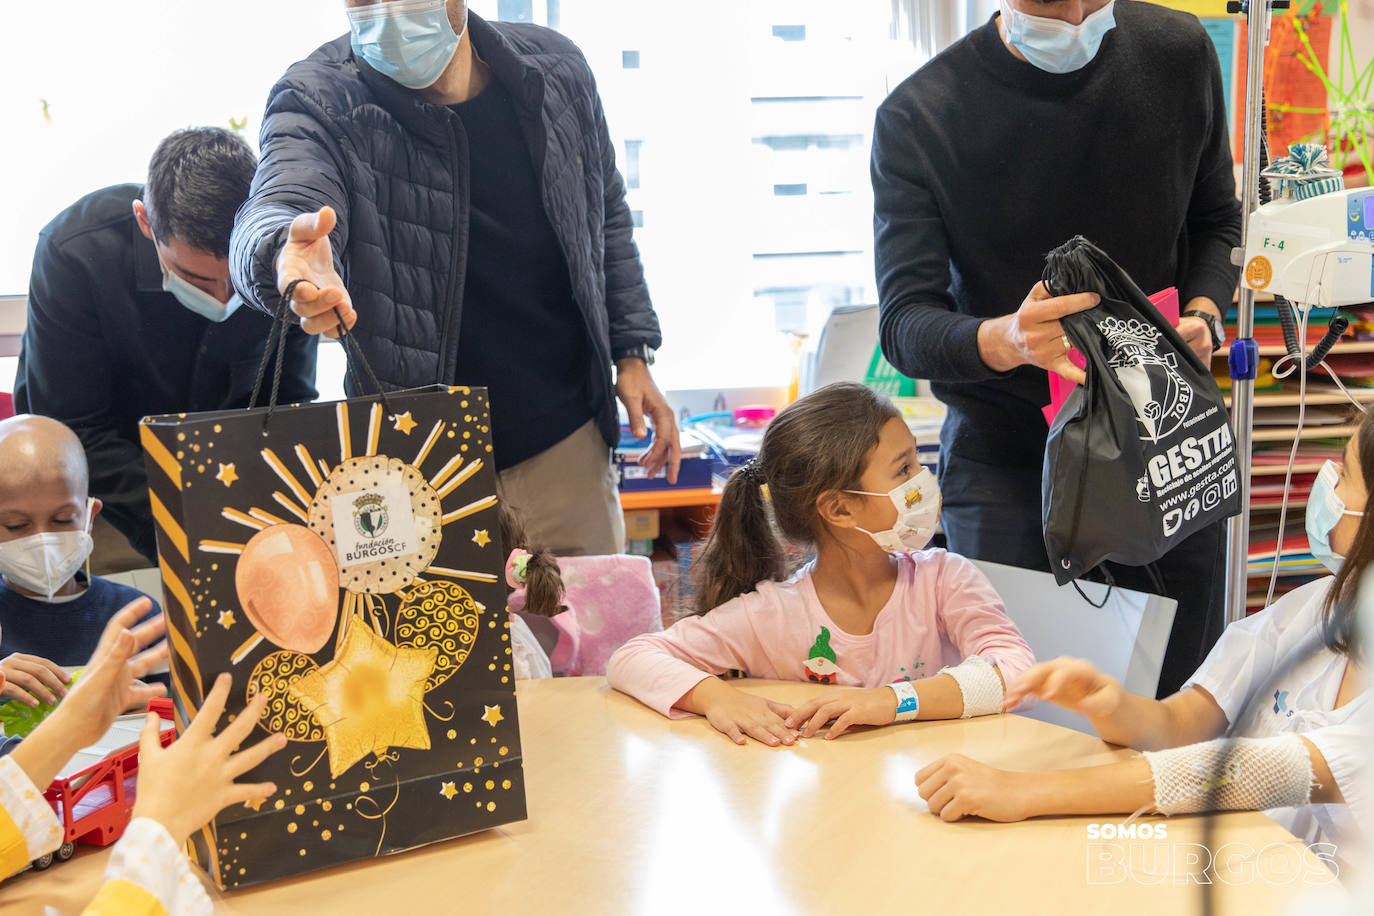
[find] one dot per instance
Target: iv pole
(1244, 354)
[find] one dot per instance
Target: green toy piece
(19, 719)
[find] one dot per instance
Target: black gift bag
(1142, 455)
(344, 558)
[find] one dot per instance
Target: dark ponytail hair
(819, 443)
(1340, 614)
(543, 579)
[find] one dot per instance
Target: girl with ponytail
(921, 633)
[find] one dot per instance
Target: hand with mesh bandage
(1246, 774)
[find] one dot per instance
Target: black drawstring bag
(1141, 456)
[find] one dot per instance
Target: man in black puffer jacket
(460, 176)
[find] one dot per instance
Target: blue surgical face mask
(1324, 510)
(198, 300)
(1053, 44)
(410, 41)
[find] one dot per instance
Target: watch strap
(1214, 325)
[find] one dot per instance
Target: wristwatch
(643, 351)
(1213, 324)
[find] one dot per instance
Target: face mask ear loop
(90, 523)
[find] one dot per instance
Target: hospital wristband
(908, 702)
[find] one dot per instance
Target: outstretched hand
(111, 682)
(307, 256)
(185, 785)
(1073, 683)
(109, 686)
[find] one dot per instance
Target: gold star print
(492, 715)
(481, 538)
(227, 475)
(448, 791)
(404, 422)
(255, 804)
(369, 698)
(226, 619)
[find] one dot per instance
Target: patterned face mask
(918, 510)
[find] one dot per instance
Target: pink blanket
(610, 600)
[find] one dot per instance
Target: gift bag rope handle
(353, 353)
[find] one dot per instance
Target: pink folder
(1167, 303)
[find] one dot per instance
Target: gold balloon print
(443, 615)
(274, 676)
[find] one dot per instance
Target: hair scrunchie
(517, 568)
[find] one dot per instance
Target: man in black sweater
(998, 150)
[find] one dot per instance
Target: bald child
(51, 614)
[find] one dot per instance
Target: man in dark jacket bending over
(132, 313)
(461, 176)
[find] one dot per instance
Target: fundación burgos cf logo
(370, 515)
(1143, 853)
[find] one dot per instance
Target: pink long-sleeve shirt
(942, 611)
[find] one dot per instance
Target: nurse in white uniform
(1277, 719)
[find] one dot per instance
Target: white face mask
(43, 563)
(410, 41)
(918, 511)
(1052, 44)
(198, 300)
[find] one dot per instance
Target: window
(763, 210)
(515, 10)
(637, 218)
(632, 149)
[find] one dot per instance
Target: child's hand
(183, 786)
(32, 680)
(847, 706)
(1072, 683)
(110, 683)
(955, 786)
(735, 714)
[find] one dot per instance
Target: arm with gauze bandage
(1224, 774)
(1189, 768)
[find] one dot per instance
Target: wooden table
(631, 813)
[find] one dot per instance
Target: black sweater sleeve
(921, 334)
(1213, 210)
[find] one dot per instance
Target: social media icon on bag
(1212, 497)
(1173, 520)
(1228, 486)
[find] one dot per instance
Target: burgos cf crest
(370, 515)
(1159, 393)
